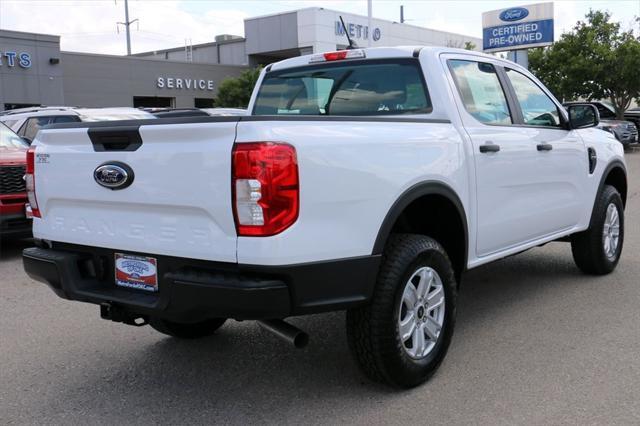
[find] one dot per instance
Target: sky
(91, 25)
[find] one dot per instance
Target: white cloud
(565, 14)
(90, 26)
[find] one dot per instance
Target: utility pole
(127, 23)
(402, 14)
(369, 29)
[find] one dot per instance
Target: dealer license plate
(138, 272)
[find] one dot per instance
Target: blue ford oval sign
(514, 14)
(113, 175)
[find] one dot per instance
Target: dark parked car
(633, 115)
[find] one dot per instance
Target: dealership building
(34, 71)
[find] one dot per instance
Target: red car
(13, 197)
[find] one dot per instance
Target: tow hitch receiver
(117, 314)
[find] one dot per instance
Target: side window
(22, 129)
(31, 127)
(10, 123)
(537, 108)
(65, 119)
(481, 91)
(605, 112)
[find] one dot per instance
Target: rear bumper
(193, 290)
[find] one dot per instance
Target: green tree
(596, 60)
(469, 45)
(235, 92)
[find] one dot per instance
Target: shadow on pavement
(245, 371)
(11, 249)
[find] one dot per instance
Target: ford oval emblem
(113, 175)
(514, 14)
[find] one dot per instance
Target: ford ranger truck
(365, 180)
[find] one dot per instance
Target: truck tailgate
(179, 203)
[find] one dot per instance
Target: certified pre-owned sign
(517, 27)
(184, 83)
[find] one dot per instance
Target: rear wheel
(403, 335)
(187, 331)
(597, 250)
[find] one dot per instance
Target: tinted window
(345, 88)
(537, 108)
(65, 119)
(604, 111)
(481, 91)
(8, 139)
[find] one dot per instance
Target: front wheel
(402, 336)
(186, 330)
(597, 250)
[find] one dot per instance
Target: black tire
(588, 247)
(186, 331)
(373, 331)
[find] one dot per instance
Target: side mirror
(583, 115)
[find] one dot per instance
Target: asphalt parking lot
(536, 342)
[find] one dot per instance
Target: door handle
(545, 147)
(490, 147)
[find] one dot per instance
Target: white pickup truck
(365, 180)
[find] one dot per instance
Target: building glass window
(203, 102)
(153, 102)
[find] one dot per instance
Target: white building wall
(316, 28)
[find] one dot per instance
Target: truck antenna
(352, 44)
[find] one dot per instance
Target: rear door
(517, 191)
(179, 201)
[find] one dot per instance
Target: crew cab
(14, 222)
(365, 180)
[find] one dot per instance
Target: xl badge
(113, 175)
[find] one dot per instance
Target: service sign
(13, 58)
(518, 27)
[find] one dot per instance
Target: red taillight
(265, 188)
(335, 56)
(30, 181)
(338, 56)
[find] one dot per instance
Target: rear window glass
(345, 88)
